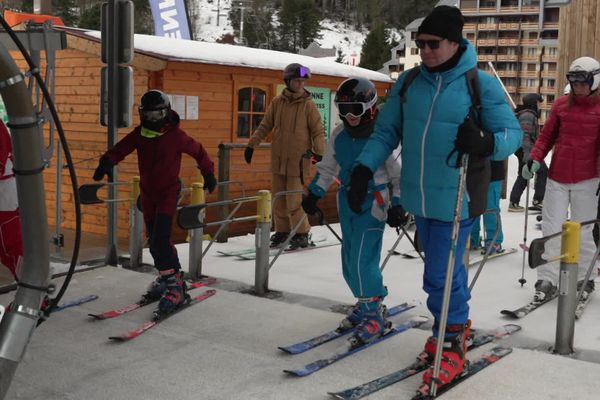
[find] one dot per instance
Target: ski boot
(373, 325)
(476, 245)
(536, 205)
(157, 288)
(454, 362)
(300, 240)
(496, 248)
(278, 238)
(356, 315)
(544, 291)
(174, 296)
(515, 207)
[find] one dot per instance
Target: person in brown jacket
(297, 128)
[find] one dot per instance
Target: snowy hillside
(334, 34)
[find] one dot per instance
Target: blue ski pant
(362, 236)
(490, 221)
(435, 238)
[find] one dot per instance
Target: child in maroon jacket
(160, 143)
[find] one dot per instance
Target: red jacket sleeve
(196, 150)
(547, 137)
(124, 147)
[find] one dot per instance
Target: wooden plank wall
(579, 34)
(78, 101)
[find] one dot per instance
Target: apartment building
(520, 39)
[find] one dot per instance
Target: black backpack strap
(474, 88)
(410, 76)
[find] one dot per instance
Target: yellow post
(570, 242)
(263, 206)
(198, 196)
(135, 190)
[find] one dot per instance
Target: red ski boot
(454, 362)
(174, 296)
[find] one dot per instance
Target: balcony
(529, 25)
(508, 42)
(487, 10)
(508, 57)
(507, 73)
(529, 74)
(469, 27)
(486, 42)
(550, 25)
(488, 27)
(530, 57)
(486, 57)
(530, 9)
(508, 26)
(511, 89)
(548, 90)
(529, 42)
(549, 74)
(510, 9)
(469, 11)
(550, 58)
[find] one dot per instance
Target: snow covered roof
(414, 25)
(225, 54)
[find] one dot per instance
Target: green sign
(322, 99)
(3, 113)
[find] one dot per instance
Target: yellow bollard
(263, 206)
(135, 190)
(570, 241)
(198, 196)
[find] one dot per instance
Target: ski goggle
(354, 109)
(153, 115)
(433, 44)
(582, 76)
(303, 72)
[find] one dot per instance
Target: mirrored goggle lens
(304, 72)
(432, 44)
(153, 115)
(581, 77)
(353, 109)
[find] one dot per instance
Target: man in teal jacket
(435, 123)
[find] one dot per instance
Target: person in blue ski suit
(436, 122)
(362, 231)
(491, 221)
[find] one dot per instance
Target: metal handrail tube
(243, 146)
(231, 201)
(230, 220)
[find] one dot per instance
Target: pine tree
(90, 17)
(258, 25)
(65, 9)
(373, 54)
(299, 25)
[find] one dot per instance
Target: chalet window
(252, 103)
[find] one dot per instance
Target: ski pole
(464, 159)
(589, 270)
(391, 251)
(487, 250)
(323, 222)
(522, 281)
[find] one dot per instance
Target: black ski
(526, 309)
(580, 308)
(360, 391)
(349, 349)
(486, 360)
(306, 345)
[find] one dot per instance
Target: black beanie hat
(444, 21)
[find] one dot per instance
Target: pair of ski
(534, 305)
(144, 327)
(478, 340)
(348, 349)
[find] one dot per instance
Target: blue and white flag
(170, 19)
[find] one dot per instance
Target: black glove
(309, 203)
(210, 182)
(470, 139)
(104, 168)
(397, 216)
(248, 154)
(359, 184)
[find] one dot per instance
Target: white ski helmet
(567, 89)
(585, 69)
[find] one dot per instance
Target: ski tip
(118, 338)
(509, 314)
(295, 373)
(419, 319)
(335, 395)
(286, 350)
(96, 317)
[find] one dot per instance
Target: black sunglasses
(432, 44)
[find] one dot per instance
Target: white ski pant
(582, 201)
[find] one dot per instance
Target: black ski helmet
(358, 97)
(296, 71)
(155, 109)
(532, 99)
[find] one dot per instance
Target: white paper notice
(191, 107)
(178, 105)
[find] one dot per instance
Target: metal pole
(224, 160)
(263, 228)
(136, 226)
(111, 247)
(502, 84)
(567, 288)
(58, 237)
(391, 251)
(195, 266)
(22, 315)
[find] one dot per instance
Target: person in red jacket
(160, 142)
(11, 242)
(572, 132)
